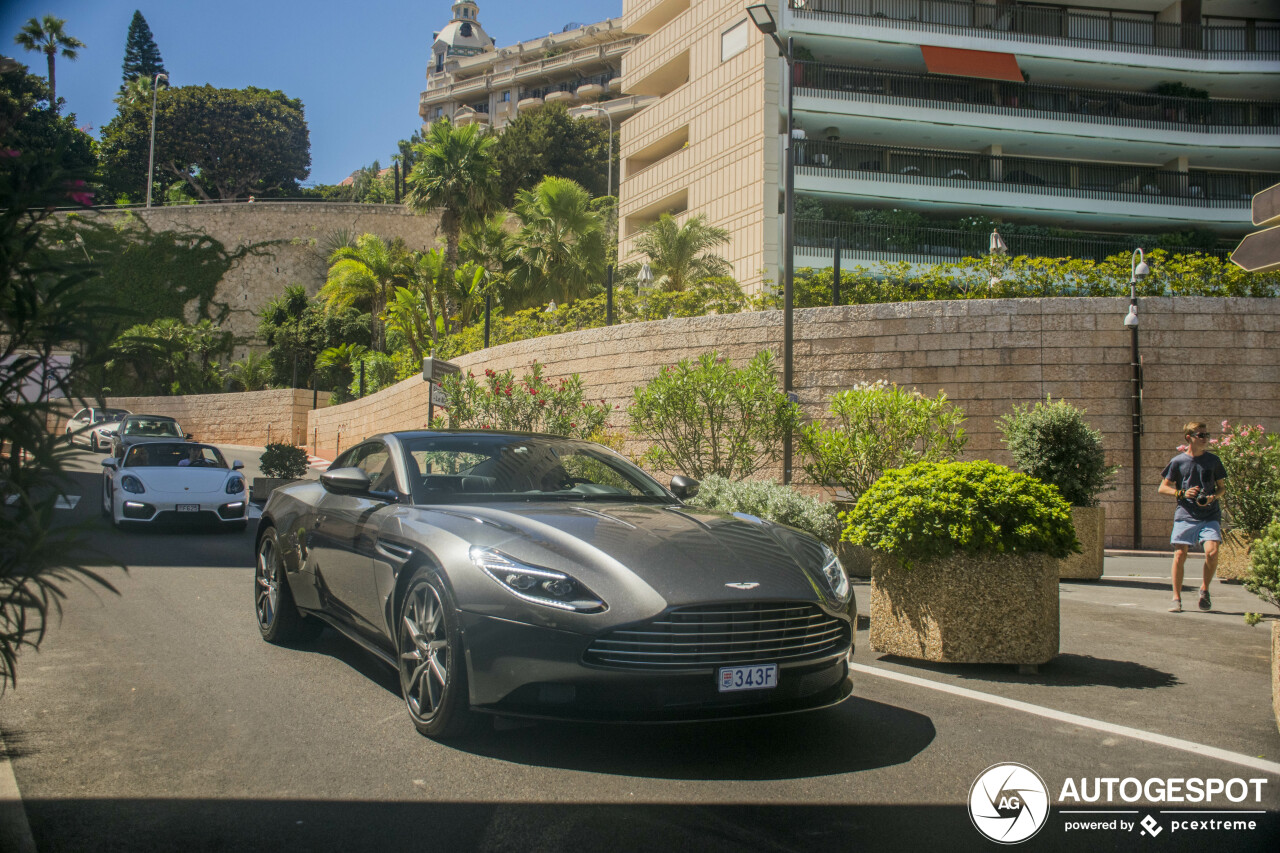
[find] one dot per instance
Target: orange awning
(971, 63)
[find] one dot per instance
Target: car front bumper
(516, 669)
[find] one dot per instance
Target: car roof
(152, 418)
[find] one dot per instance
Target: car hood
(684, 554)
(184, 480)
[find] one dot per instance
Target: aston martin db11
(517, 574)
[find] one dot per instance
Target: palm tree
(137, 90)
(455, 171)
(677, 254)
(251, 373)
(559, 249)
(47, 37)
(365, 275)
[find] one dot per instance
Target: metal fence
(1119, 29)
(1024, 99)
(865, 241)
(1107, 181)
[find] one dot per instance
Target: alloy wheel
(424, 651)
(267, 581)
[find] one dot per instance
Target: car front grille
(723, 635)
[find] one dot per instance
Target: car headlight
(834, 575)
(536, 585)
(132, 484)
(235, 486)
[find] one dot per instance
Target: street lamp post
(608, 320)
(1138, 270)
(762, 17)
(151, 160)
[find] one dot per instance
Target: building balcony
(1025, 100)
(815, 242)
(1072, 192)
(1133, 31)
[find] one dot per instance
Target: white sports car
(174, 481)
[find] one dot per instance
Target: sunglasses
(1198, 434)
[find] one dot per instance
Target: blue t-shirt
(1205, 470)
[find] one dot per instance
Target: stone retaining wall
(1205, 358)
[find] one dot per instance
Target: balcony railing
(1107, 181)
(1101, 106)
(1128, 30)
(864, 241)
(567, 86)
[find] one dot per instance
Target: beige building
(1130, 117)
(470, 80)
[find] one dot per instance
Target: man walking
(1197, 480)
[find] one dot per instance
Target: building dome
(462, 36)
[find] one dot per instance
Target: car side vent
(723, 635)
(394, 551)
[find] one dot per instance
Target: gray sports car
(531, 575)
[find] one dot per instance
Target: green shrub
(530, 404)
(707, 417)
(1263, 579)
(877, 427)
(379, 373)
(781, 504)
(1052, 442)
(286, 461)
(1252, 459)
(934, 509)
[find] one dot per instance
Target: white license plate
(188, 507)
(760, 677)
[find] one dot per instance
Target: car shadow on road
(856, 735)
(1065, 670)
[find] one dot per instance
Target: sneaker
(1175, 606)
(1206, 603)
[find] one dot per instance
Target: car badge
(747, 585)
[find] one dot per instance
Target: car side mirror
(109, 462)
(684, 487)
(237, 465)
(346, 481)
(108, 432)
(189, 436)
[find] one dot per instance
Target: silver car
(89, 425)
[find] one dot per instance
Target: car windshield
(101, 415)
(177, 454)
(488, 468)
(152, 427)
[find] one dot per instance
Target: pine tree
(141, 55)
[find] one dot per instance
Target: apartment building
(470, 80)
(1131, 117)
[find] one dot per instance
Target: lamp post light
(608, 284)
(1138, 270)
(762, 17)
(151, 160)
(996, 248)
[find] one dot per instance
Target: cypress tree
(141, 55)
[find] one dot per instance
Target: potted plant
(281, 464)
(1252, 499)
(1263, 580)
(965, 562)
(874, 427)
(1052, 442)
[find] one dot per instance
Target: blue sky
(357, 65)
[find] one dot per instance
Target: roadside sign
(438, 397)
(1266, 206)
(1259, 251)
(435, 369)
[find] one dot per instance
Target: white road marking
(1077, 720)
(63, 501)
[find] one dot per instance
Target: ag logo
(1008, 803)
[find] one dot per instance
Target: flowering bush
(1252, 459)
(1263, 579)
(529, 404)
(879, 426)
(781, 504)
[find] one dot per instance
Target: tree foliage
(550, 143)
(679, 255)
(46, 35)
(142, 60)
(559, 249)
(31, 124)
(168, 356)
(297, 329)
(1053, 443)
(365, 276)
(223, 143)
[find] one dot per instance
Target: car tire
(431, 661)
(278, 618)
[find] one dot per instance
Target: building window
(733, 41)
(506, 97)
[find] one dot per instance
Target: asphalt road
(157, 719)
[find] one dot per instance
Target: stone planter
(1091, 525)
(967, 608)
(855, 559)
(262, 487)
(1233, 556)
(1275, 670)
